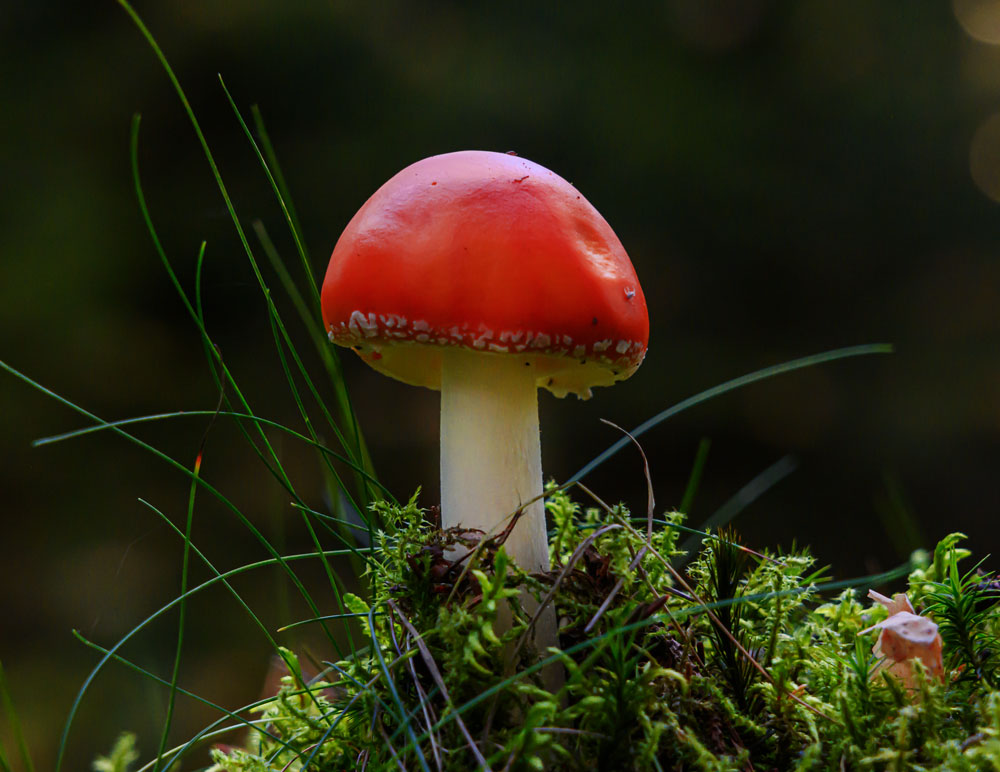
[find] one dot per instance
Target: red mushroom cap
(494, 253)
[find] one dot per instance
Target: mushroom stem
(491, 464)
(491, 459)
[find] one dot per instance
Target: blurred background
(787, 177)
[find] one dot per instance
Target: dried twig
(425, 654)
(577, 554)
(421, 695)
(715, 619)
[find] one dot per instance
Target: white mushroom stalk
(491, 467)
(491, 462)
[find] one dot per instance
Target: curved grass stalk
(722, 388)
(227, 714)
(151, 40)
(188, 473)
(743, 498)
(243, 416)
(182, 609)
(190, 546)
(325, 618)
(274, 464)
(200, 481)
(329, 357)
(395, 693)
(197, 313)
(196, 480)
(207, 413)
(223, 577)
(15, 726)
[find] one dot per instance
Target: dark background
(787, 178)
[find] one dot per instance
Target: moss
(121, 757)
(739, 661)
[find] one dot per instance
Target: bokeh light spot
(979, 18)
(984, 157)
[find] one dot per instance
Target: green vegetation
(122, 755)
(743, 660)
(731, 659)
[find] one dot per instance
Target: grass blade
(735, 383)
(202, 483)
(226, 198)
(102, 425)
(743, 498)
(190, 546)
(347, 416)
(287, 204)
(694, 480)
(15, 725)
(182, 610)
(407, 724)
(223, 577)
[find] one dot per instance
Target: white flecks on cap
(511, 337)
(365, 325)
(391, 328)
(393, 320)
(484, 337)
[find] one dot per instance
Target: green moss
(738, 662)
(121, 757)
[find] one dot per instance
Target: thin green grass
(723, 388)
(219, 577)
(694, 479)
(7, 701)
(267, 453)
(308, 397)
(241, 417)
(311, 312)
(181, 610)
(743, 498)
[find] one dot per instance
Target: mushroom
(486, 276)
(905, 636)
